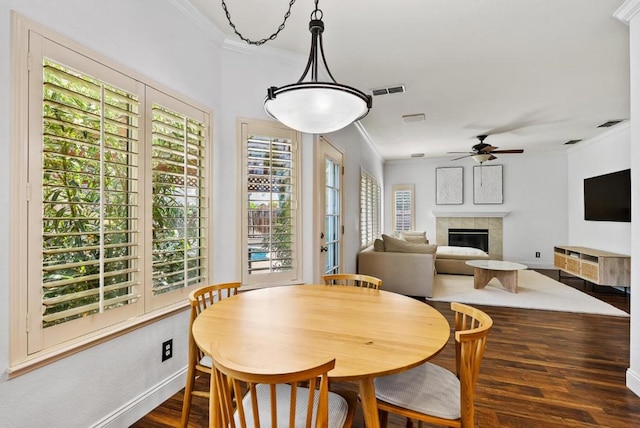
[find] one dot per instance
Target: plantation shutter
(403, 207)
(178, 209)
(370, 227)
(90, 141)
(112, 183)
(270, 221)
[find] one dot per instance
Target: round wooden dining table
(369, 332)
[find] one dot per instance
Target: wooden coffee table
(505, 272)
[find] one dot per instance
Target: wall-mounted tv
(608, 197)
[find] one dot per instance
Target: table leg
(508, 279)
(369, 405)
(481, 277)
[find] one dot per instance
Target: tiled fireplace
(481, 221)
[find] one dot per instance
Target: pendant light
(314, 106)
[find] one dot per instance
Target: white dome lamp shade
(316, 107)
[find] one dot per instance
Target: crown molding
(265, 52)
(201, 21)
(627, 11)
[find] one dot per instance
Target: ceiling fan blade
(462, 157)
(492, 157)
(508, 151)
(486, 149)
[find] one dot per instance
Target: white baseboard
(129, 413)
(633, 381)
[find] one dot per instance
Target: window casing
(116, 198)
(370, 227)
(271, 221)
(403, 215)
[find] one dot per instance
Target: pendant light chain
(261, 41)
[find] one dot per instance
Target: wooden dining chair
(297, 397)
(199, 363)
(353, 279)
(430, 393)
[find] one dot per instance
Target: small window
(270, 214)
(370, 210)
(403, 207)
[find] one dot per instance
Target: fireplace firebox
(475, 238)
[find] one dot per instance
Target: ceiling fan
(483, 152)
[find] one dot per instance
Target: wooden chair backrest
(353, 279)
(471, 330)
(231, 381)
(204, 297)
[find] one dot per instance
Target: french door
(331, 230)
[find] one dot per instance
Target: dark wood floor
(541, 369)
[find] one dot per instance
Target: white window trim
(20, 361)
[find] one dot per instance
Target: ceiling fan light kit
(482, 152)
(481, 158)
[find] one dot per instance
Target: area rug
(535, 291)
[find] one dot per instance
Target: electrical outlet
(537, 254)
(167, 349)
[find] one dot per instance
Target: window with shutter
(403, 208)
(89, 164)
(370, 209)
(178, 200)
(270, 212)
(115, 204)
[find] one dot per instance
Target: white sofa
(452, 259)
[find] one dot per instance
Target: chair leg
(186, 401)
(383, 417)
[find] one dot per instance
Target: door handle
(324, 249)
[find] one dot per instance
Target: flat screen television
(608, 197)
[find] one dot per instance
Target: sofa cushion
(415, 237)
(395, 245)
(460, 253)
(378, 245)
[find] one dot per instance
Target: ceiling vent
(417, 155)
(570, 142)
(398, 89)
(609, 124)
(418, 117)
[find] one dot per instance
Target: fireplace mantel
(471, 213)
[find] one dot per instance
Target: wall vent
(570, 142)
(609, 124)
(397, 89)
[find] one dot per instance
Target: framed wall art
(449, 188)
(487, 184)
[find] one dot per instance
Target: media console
(596, 266)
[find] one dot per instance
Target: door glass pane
(332, 216)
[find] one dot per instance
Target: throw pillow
(415, 237)
(401, 246)
(378, 245)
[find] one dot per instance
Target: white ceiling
(531, 73)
